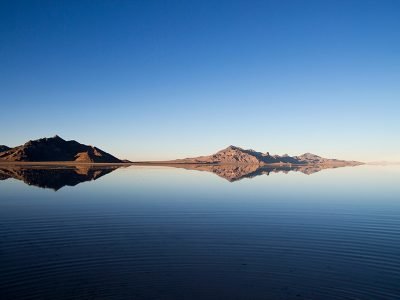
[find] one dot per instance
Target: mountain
(54, 177)
(4, 148)
(239, 156)
(312, 159)
(57, 149)
(231, 155)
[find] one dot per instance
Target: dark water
(165, 233)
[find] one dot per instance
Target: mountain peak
(232, 155)
(232, 147)
(57, 137)
(57, 149)
(310, 155)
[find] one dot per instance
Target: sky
(148, 80)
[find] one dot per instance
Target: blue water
(166, 233)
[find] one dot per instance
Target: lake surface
(174, 233)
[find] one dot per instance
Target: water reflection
(234, 173)
(54, 177)
(168, 233)
(57, 177)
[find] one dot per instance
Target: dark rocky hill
(56, 149)
(4, 148)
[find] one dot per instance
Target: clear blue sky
(166, 79)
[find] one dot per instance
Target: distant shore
(163, 163)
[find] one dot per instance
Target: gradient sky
(167, 79)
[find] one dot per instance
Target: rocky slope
(57, 149)
(4, 148)
(239, 156)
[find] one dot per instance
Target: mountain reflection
(54, 177)
(234, 173)
(57, 177)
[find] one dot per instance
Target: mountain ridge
(56, 149)
(236, 155)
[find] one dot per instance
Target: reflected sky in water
(173, 233)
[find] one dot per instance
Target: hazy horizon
(163, 80)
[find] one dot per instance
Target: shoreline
(166, 163)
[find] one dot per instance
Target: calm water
(166, 233)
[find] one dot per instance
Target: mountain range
(238, 156)
(56, 149)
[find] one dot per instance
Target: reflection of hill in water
(54, 177)
(237, 172)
